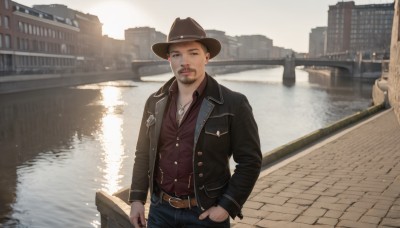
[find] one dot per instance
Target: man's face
(188, 60)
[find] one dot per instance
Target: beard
(187, 80)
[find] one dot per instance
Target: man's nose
(185, 60)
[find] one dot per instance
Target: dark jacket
(225, 127)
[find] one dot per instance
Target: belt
(179, 203)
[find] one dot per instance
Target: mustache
(186, 69)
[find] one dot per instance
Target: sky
(287, 22)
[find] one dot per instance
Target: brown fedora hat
(184, 30)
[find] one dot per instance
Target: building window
(7, 41)
(6, 19)
(6, 4)
(21, 26)
(1, 40)
(26, 44)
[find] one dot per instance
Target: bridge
(289, 64)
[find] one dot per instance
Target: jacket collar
(212, 90)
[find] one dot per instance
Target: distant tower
(317, 42)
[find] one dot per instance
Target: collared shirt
(174, 173)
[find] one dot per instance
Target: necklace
(181, 112)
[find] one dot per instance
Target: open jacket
(225, 127)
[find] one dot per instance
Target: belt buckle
(174, 199)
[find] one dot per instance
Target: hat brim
(213, 46)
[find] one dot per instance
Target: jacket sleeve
(245, 145)
(140, 177)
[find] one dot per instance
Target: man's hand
(137, 214)
(216, 214)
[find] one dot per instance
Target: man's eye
(175, 55)
(194, 53)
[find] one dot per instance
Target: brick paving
(351, 180)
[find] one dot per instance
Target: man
(190, 128)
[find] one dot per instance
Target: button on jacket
(225, 127)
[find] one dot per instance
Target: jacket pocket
(217, 126)
(216, 189)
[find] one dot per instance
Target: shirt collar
(173, 89)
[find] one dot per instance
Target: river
(60, 146)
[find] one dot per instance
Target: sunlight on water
(95, 223)
(111, 139)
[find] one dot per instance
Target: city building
(254, 47)
(6, 56)
(114, 54)
(359, 30)
(229, 45)
(89, 36)
(33, 41)
(280, 52)
(56, 39)
(139, 41)
(317, 42)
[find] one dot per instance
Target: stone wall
(394, 68)
(20, 83)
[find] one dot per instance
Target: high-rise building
(317, 42)
(359, 29)
(139, 41)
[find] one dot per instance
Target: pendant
(181, 111)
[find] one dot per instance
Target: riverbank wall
(20, 83)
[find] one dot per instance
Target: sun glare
(116, 16)
(111, 139)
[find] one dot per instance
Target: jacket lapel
(213, 95)
(205, 111)
(159, 113)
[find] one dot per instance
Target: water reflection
(34, 125)
(111, 138)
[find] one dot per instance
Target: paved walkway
(351, 179)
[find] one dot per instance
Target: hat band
(185, 37)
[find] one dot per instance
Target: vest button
(199, 153)
(200, 164)
(200, 174)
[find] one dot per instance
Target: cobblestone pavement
(351, 179)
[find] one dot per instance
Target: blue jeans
(162, 214)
